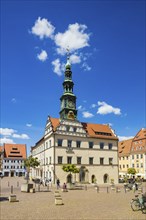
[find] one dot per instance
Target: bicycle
(139, 203)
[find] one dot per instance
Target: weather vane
(68, 52)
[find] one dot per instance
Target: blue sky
(107, 51)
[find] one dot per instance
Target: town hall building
(93, 148)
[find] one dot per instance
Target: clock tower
(68, 99)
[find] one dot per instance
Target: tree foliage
(131, 171)
(70, 168)
(31, 162)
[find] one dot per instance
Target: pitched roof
(15, 151)
(135, 145)
(99, 131)
(93, 130)
(139, 142)
(124, 147)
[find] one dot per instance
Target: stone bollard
(58, 200)
(12, 198)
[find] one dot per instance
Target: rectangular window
(78, 144)
(101, 145)
(49, 160)
(123, 158)
(74, 129)
(123, 166)
(69, 143)
(137, 165)
(110, 161)
(59, 142)
(90, 144)
(141, 156)
(69, 160)
(127, 166)
(46, 145)
(110, 145)
(133, 165)
(90, 160)
(78, 160)
(49, 143)
(137, 156)
(120, 166)
(101, 160)
(60, 160)
(142, 165)
(127, 158)
(132, 156)
(46, 160)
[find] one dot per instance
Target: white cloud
(75, 59)
(43, 28)
(86, 67)
(58, 67)
(29, 125)
(7, 131)
(80, 108)
(13, 100)
(93, 105)
(107, 109)
(122, 138)
(87, 114)
(6, 140)
(74, 37)
(21, 136)
(42, 56)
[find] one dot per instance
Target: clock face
(71, 104)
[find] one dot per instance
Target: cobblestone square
(78, 204)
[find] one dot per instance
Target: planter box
(25, 187)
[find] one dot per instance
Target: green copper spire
(68, 99)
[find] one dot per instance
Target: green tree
(131, 171)
(31, 162)
(70, 168)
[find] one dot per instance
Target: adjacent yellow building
(132, 154)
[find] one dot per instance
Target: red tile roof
(135, 145)
(124, 147)
(93, 130)
(15, 151)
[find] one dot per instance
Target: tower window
(78, 144)
(90, 144)
(101, 160)
(90, 160)
(60, 160)
(69, 143)
(69, 160)
(110, 161)
(101, 145)
(78, 160)
(59, 142)
(110, 145)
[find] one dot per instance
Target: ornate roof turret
(68, 99)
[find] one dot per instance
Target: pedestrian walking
(58, 183)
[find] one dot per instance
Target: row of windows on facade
(13, 161)
(78, 144)
(133, 165)
(69, 145)
(79, 160)
(13, 167)
(136, 156)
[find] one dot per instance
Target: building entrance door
(12, 173)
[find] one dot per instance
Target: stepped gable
(139, 142)
(124, 147)
(55, 123)
(15, 151)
